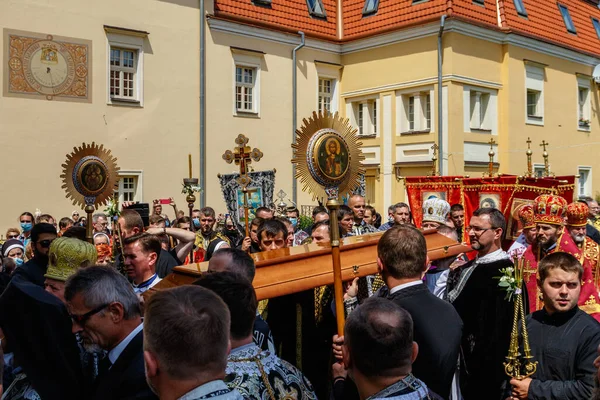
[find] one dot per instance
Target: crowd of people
(76, 321)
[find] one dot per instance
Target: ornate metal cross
(243, 156)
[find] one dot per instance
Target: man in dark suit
(402, 262)
(106, 313)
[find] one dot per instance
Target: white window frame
(587, 188)
(322, 95)
(138, 175)
(534, 81)
(370, 122)
(419, 96)
(332, 72)
(486, 100)
(245, 59)
(136, 44)
(584, 107)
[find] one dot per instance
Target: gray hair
(98, 215)
(99, 285)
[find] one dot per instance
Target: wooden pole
(245, 191)
(334, 233)
(89, 209)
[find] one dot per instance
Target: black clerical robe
(565, 346)
(437, 330)
(38, 331)
(488, 319)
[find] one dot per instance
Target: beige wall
(36, 135)
(271, 129)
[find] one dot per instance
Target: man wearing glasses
(106, 313)
(487, 317)
(34, 270)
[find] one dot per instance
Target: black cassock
(565, 346)
(488, 319)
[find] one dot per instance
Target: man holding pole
(402, 261)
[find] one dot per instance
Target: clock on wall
(46, 67)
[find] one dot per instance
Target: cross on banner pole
(529, 164)
(491, 154)
(545, 155)
(242, 155)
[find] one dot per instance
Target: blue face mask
(294, 222)
(18, 261)
(26, 226)
(196, 223)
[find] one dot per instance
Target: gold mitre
(67, 255)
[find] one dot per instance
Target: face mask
(196, 223)
(294, 222)
(26, 226)
(18, 261)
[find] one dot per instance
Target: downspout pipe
(202, 161)
(439, 98)
(295, 112)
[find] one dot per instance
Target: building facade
(511, 70)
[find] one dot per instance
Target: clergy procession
(494, 296)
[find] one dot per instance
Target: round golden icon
(90, 175)
(327, 151)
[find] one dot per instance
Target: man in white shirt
(186, 344)
(106, 313)
(141, 253)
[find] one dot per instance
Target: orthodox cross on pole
(491, 153)
(545, 155)
(434, 159)
(529, 164)
(242, 155)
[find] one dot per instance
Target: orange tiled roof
(390, 14)
(291, 15)
(544, 20)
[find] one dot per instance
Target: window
(479, 111)
(365, 116)
(480, 2)
(374, 117)
(370, 7)
(533, 100)
(122, 73)
(538, 170)
(583, 103)
(596, 24)
(520, 7)
(567, 18)
(245, 78)
(125, 59)
(130, 186)
(414, 112)
(411, 113)
(534, 89)
(325, 95)
(315, 8)
(246, 82)
(584, 183)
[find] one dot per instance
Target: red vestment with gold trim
(588, 298)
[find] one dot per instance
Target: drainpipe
(202, 161)
(439, 98)
(294, 113)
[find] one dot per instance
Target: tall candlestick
(190, 164)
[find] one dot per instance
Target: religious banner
(508, 193)
(421, 188)
(260, 193)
